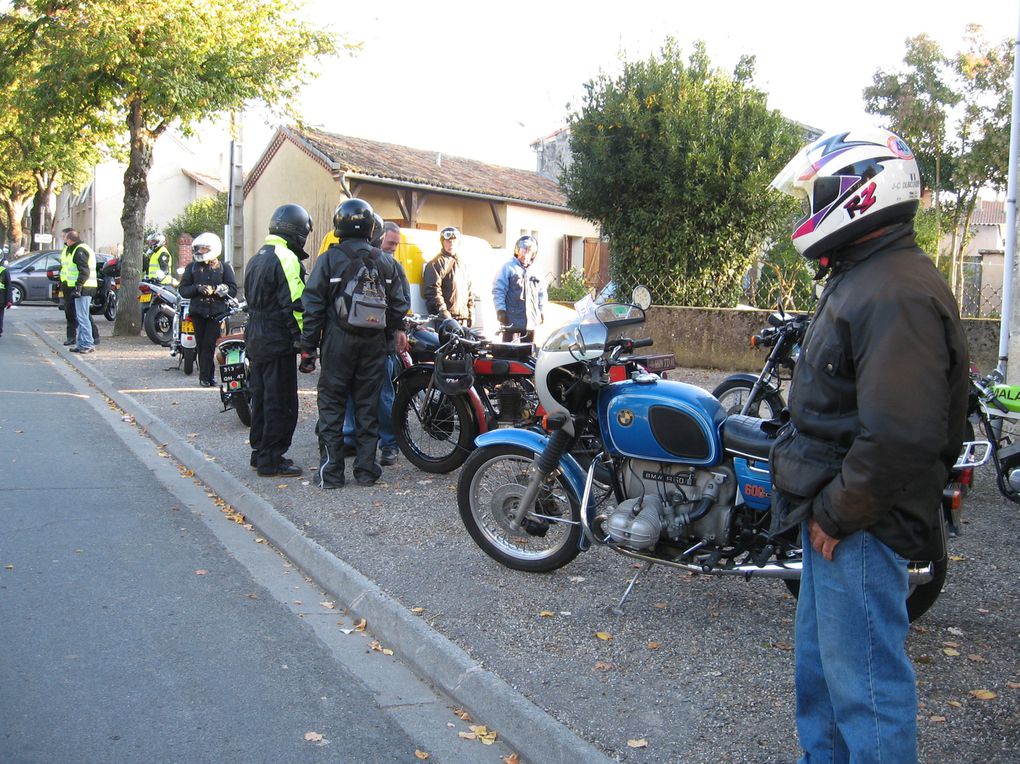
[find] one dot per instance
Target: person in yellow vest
(274, 281)
(78, 282)
(5, 292)
(159, 265)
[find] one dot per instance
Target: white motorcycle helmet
(206, 247)
(850, 183)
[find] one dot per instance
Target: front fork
(544, 466)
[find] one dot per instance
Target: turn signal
(552, 422)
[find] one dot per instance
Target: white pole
(1010, 255)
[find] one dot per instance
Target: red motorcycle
(474, 386)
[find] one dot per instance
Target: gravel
(699, 667)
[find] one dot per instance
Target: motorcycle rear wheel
(242, 405)
(732, 393)
(188, 354)
(489, 489)
(921, 597)
(434, 431)
(158, 326)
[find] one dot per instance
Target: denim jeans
(856, 694)
(386, 436)
(83, 338)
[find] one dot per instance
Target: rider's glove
(222, 290)
(307, 365)
(501, 317)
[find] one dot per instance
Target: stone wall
(719, 338)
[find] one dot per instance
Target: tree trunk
(15, 206)
(42, 207)
(136, 198)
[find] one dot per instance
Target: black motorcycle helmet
(454, 372)
(449, 327)
(292, 222)
(376, 240)
(354, 219)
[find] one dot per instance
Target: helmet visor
(798, 169)
(448, 233)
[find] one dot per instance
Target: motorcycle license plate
(146, 297)
(232, 372)
(187, 327)
(656, 363)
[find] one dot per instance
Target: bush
(572, 287)
(201, 215)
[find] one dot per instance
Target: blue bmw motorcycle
(688, 486)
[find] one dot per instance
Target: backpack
(361, 302)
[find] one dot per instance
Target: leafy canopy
(673, 159)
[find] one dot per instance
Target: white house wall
(549, 228)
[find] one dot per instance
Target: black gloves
(307, 365)
(501, 317)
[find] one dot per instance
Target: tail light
(952, 498)
(144, 288)
(965, 476)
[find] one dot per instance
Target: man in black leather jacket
(353, 357)
(877, 416)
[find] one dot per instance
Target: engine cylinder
(636, 523)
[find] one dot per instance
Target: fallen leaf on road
(976, 658)
(467, 735)
(602, 666)
(782, 645)
(983, 694)
(951, 652)
(201, 572)
(328, 605)
(313, 737)
(511, 759)
(937, 719)
(484, 734)
(461, 714)
(546, 614)
(642, 743)
(957, 557)
(950, 644)
(260, 540)
(420, 754)
(604, 636)
(360, 624)
(1013, 685)
(955, 703)
(282, 485)
(417, 610)
(661, 605)
(654, 645)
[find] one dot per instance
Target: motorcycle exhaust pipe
(917, 572)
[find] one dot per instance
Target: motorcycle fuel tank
(661, 420)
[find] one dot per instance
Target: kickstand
(618, 610)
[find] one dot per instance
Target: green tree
(145, 65)
(954, 111)
(673, 160)
(209, 214)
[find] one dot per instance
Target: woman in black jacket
(207, 283)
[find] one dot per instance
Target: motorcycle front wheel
(110, 311)
(433, 431)
(158, 326)
(489, 490)
(732, 394)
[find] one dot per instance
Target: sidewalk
(700, 668)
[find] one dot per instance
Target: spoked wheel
(490, 489)
(732, 393)
(434, 431)
(110, 311)
(158, 326)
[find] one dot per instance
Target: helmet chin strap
(823, 267)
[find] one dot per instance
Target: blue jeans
(856, 697)
(386, 437)
(83, 338)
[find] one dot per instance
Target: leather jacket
(878, 401)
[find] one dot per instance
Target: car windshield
(594, 327)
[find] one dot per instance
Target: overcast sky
(483, 80)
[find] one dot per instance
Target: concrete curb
(535, 735)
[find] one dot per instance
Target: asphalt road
(139, 623)
(698, 667)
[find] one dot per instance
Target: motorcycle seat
(515, 351)
(746, 436)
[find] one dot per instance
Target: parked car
(29, 280)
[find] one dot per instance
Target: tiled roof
(390, 162)
(205, 179)
(989, 213)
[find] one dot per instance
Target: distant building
(183, 170)
(415, 188)
(983, 257)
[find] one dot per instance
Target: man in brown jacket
(446, 282)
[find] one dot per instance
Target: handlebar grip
(642, 343)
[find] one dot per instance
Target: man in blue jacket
(519, 293)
